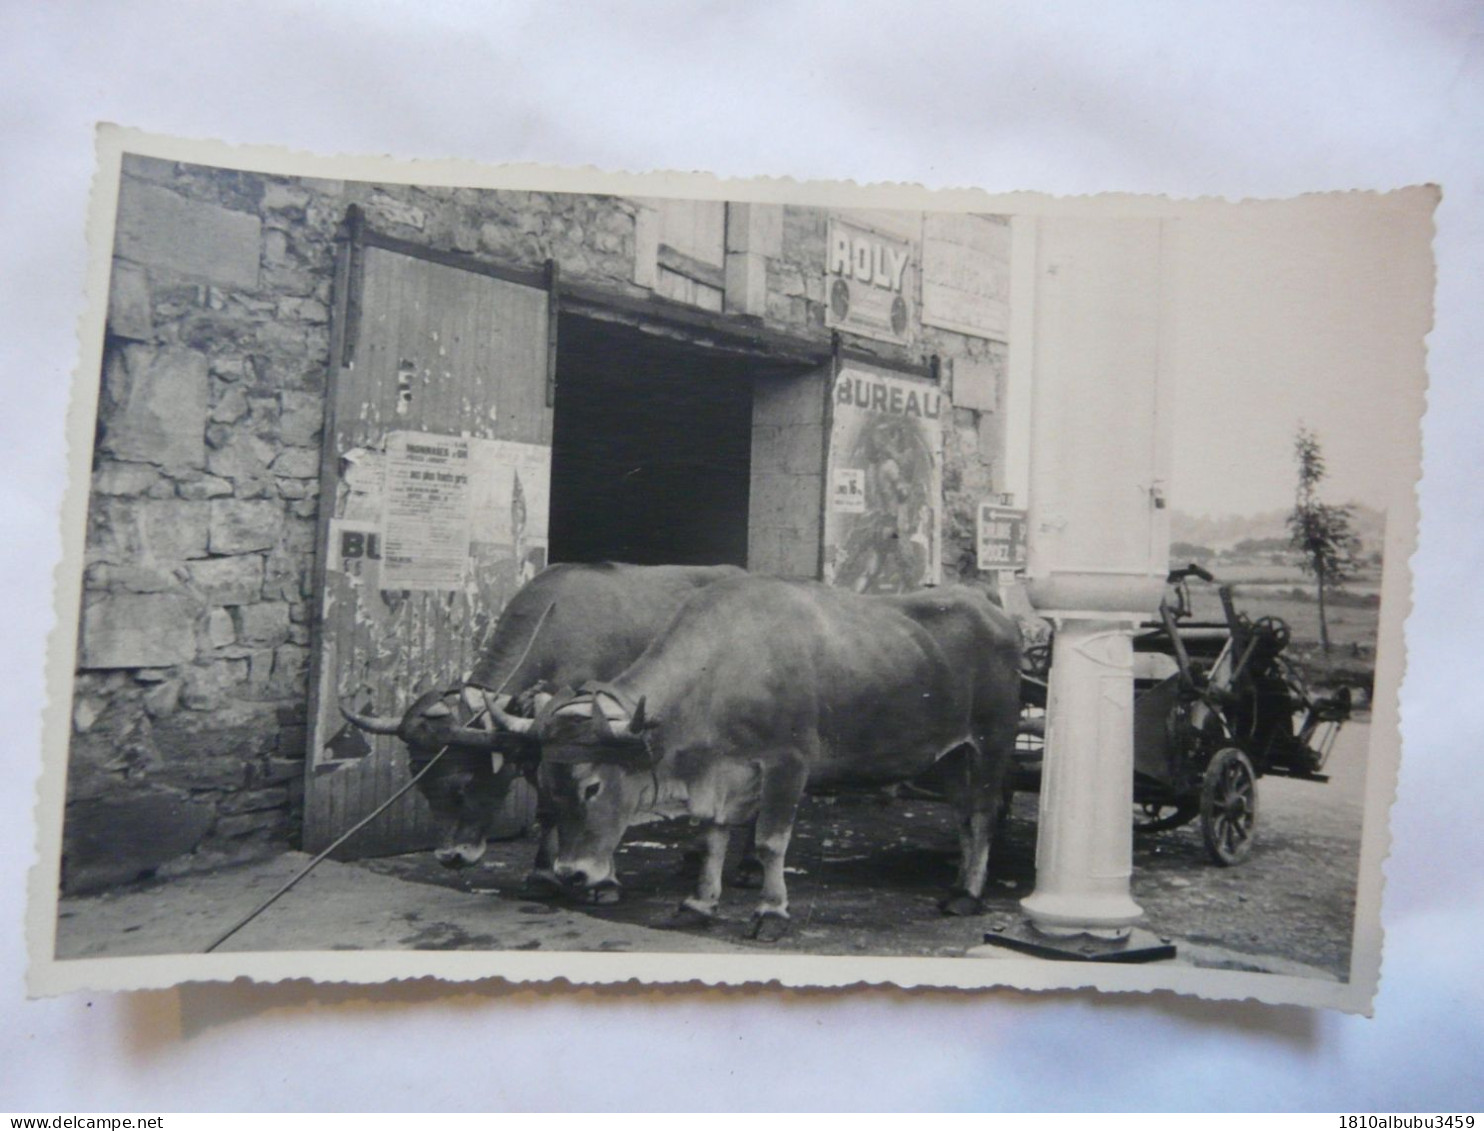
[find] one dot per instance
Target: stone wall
(190, 707)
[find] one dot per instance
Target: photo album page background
(1262, 104)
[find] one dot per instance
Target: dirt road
(865, 876)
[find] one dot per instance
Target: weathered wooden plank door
(435, 490)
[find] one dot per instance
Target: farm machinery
(1217, 705)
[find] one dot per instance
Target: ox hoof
(749, 873)
(963, 904)
(602, 894)
(768, 927)
(687, 917)
(540, 885)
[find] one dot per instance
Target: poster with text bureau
(885, 483)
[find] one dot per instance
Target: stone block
(204, 487)
(256, 800)
(231, 368)
(173, 530)
(163, 698)
(275, 247)
(302, 417)
(746, 284)
(110, 478)
(117, 839)
(220, 629)
(273, 822)
(232, 407)
(394, 211)
(297, 463)
(290, 666)
(236, 580)
(242, 525)
(241, 457)
(292, 742)
(158, 228)
(138, 630)
(238, 731)
(86, 710)
(284, 197)
(300, 534)
(303, 310)
(265, 623)
(129, 579)
(284, 577)
(209, 687)
(155, 411)
(130, 313)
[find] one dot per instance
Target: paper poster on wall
(355, 551)
(966, 275)
(886, 438)
(849, 494)
(509, 500)
(425, 523)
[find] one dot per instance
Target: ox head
(595, 770)
(467, 787)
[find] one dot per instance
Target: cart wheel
(1276, 629)
(1229, 806)
(1161, 816)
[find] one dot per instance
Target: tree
(1319, 531)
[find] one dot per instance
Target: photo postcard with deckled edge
(604, 577)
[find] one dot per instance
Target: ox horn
(513, 723)
(374, 724)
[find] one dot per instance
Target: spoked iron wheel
(1161, 816)
(1229, 806)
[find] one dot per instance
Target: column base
(1056, 913)
(1138, 945)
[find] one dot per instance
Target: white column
(1084, 848)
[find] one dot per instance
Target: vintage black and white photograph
(552, 575)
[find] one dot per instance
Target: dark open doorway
(651, 450)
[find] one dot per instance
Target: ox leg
(975, 794)
(749, 873)
(700, 909)
(782, 788)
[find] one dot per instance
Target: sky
(1312, 311)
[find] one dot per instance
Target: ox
(760, 687)
(600, 618)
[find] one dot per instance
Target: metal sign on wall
(885, 483)
(1000, 537)
(870, 283)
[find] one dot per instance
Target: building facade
(340, 422)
